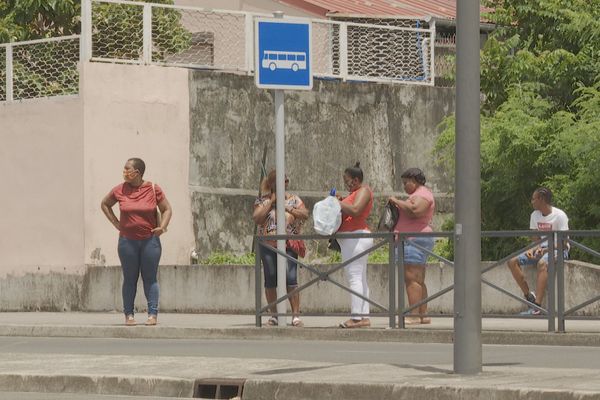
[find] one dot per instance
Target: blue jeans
(140, 256)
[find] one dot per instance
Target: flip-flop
(273, 321)
(297, 322)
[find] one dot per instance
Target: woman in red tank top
(139, 230)
(355, 211)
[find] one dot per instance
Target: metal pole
(560, 281)
(257, 283)
(85, 41)
(401, 282)
(9, 72)
(280, 187)
(467, 243)
(551, 284)
(147, 34)
(392, 281)
(343, 51)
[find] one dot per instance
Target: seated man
(545, 217)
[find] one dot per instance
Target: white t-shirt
(557, 220)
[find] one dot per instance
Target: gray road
(338, 352)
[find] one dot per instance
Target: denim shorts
(524, 260)
(414, 255)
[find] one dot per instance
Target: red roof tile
(409, 8)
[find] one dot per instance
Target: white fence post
(344, 51)
(9, 72)
(432, 52)
(249, 47)
(147, 34)
(85, 41)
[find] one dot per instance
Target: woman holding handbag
(139, 234)
(415, 216)
(265, 216)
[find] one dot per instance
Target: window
(281, 56)
(291, 57)
(300, 57)
(272, 56)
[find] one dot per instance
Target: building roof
(443, 9)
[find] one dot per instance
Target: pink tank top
(420, 224)
(351, 224)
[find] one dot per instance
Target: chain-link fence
(39, 68)
(445, 60)
(136, 32)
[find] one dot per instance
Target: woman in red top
(139, 244)
(355, 211)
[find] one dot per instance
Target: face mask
(129, 175)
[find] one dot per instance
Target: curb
(328, 334)
(96, 384)
(273, 390)
(276, 390)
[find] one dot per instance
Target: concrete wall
(230, 289)
(136, 111)
(389, 128)
(41, 160)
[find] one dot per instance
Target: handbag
(297, 246)
(158, 214)
(334, 245)
(389, 218)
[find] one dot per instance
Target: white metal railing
(135, 32)
(145, 33)
(39, 68)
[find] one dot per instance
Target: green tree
(540, 121)
(37, 19)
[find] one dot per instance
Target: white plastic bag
(327, 215)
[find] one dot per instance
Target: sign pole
(467, 208)
(280, 188)
(282, 56)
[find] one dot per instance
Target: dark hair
(545, 194)
(138, 164)
(414, 173)
(268, 183)
(355, 171)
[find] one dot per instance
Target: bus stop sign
(283, 54)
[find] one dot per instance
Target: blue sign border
(257, 55)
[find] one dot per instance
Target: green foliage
(540, 122)
(37, 19)
(219, 258)
(118, 31)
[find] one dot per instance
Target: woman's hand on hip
(158, 231)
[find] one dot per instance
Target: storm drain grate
(215, 388)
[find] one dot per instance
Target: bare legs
(416, 290)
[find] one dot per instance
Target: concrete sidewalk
(223, 326)
(169, 376)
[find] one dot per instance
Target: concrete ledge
(255, 389)
(97, 384)
(360, 335)
(273, 390)
(230, 289)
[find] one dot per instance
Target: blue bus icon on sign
(293, 60)
(282, 56)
